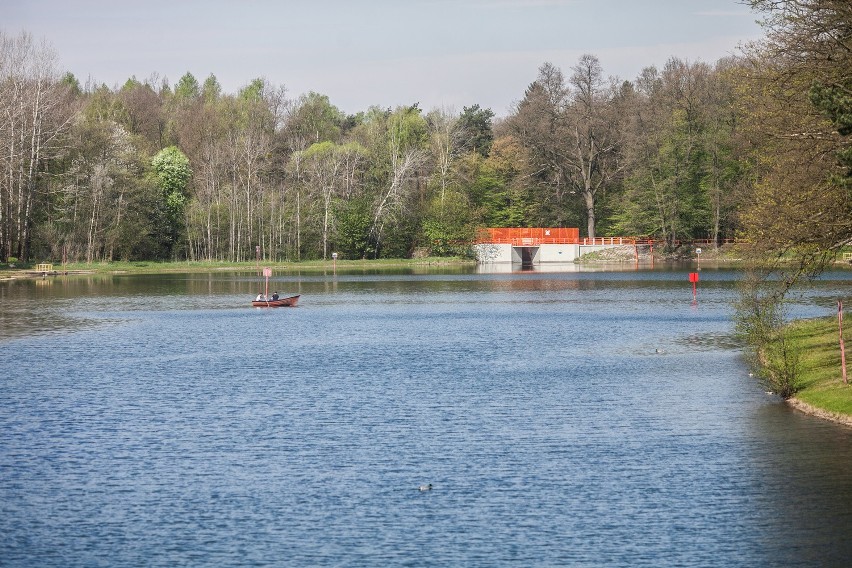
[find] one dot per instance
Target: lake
(567, 418)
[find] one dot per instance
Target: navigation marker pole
(693, 277)
(267, 272)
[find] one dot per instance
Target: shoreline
(817, 412)
(154, 267)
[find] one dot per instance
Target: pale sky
(440, 53)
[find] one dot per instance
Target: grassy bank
(819, 381)
(155, 267)
(308, 265)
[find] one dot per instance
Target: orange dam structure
(536, 245)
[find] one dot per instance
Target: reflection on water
(578, 419)
(548, 267)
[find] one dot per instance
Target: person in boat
(260, 298)
(274, 296)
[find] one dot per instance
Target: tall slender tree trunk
(590, 213)
(32, 173)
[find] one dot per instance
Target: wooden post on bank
(842, 345)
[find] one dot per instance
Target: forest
(754, 147)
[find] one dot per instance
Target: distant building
(530, 246)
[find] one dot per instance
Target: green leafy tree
(395, 175)
(330, 172)
(253, 92)
(172, 171)
(104, 105)
(725, 170)
(477, 129)
(676, 157)
(501, 188)
(101, 203)
(796, 89)
(71, 82)
(354, 223)
(211, 90)
(187, 87)
(314, 119)
(449, 225)
(835, 101)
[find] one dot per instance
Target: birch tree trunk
(34, 115)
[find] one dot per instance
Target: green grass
(818, 343)
(154, 267)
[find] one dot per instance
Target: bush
(760, 323)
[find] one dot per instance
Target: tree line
(754, 147)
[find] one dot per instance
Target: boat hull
(287, 302)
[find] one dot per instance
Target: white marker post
(267, 272)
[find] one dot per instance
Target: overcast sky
(440, 53)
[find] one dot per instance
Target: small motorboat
(287, 302)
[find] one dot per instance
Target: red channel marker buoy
(693, 277)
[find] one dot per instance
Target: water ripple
(609, 423)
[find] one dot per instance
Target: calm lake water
(563, 419)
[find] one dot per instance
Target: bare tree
(444, 138)
(593, 157)
(34, 113)
(539, 123)
(574, 131)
